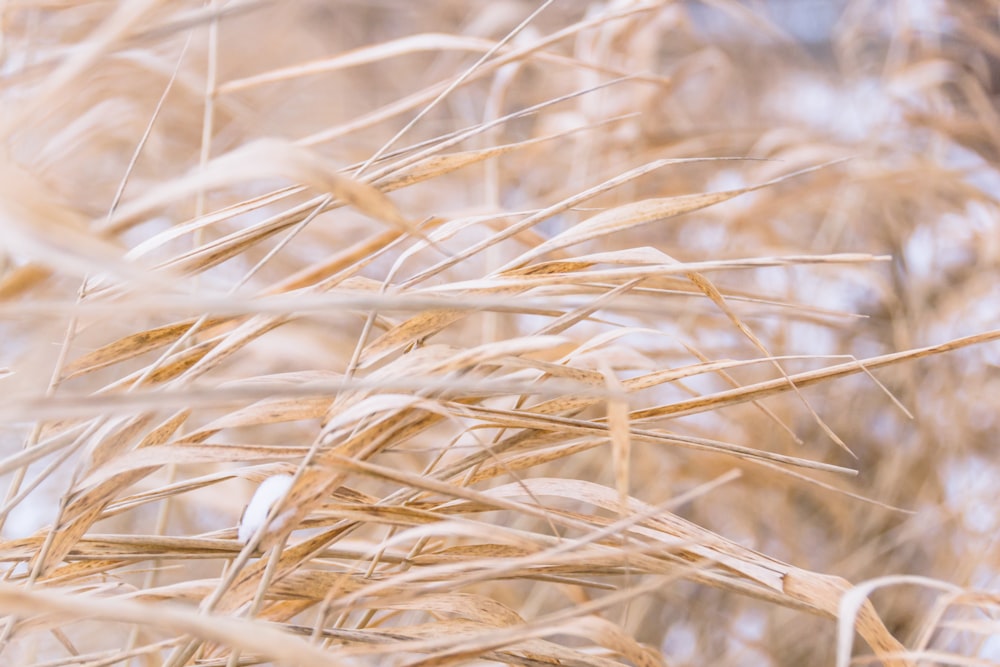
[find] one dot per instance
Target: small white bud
(270, 491)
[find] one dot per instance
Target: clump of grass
(582, 340)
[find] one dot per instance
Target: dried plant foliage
(590, 333)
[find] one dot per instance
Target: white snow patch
(270, 491)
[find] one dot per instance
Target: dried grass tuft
(581, 333)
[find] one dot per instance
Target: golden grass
(586, 340)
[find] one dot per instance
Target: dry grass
(589, 336)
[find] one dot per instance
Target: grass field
(565, 333)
